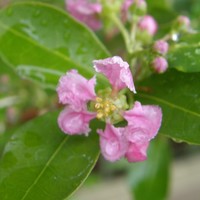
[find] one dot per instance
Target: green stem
(123, 31)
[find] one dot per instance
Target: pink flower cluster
(77, 93)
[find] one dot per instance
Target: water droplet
(197, 51)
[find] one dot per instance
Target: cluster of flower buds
(109, 105)
(159, 63)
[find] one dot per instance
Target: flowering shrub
(124, 73)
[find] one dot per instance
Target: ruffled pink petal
(75, 123)
(137, 152)
(144, 119)
(75, 90)
(117, 71)
(86, 12)
(113, 143)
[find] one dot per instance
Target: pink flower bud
(160, 64)
(161, 47)
(148, 23)
(85, 12)
(184, 21)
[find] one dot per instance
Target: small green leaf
(179, 96)
(42, 42)
(40, 162)
(149, 179)
(185, 55)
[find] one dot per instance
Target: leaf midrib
(55, 53)
(46, 165)
(169, 104)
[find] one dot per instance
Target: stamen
(104, 107)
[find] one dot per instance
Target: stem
(123, 31)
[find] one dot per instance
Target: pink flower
(75, 90)
(117, 71)
(83, 105)
(113, 143)
(160, 64)
(72, 122)
(161, 47)
(148, 24)
(86, 12)
(143, 125)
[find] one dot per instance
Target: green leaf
(40, 162)
(42, 42)
(179, 96)
(149, 179)
(185, 55)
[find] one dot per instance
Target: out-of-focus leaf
(42, 42)
(149, 179)
(40, 162)
(185, 55)
(178, 94)
(60, 3)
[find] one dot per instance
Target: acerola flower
(110, 106)
(148, 24)
(86, 12)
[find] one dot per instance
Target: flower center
(104, 107)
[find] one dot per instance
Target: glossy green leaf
(179, 96)
(42, 42)
(150, 179)
(40, 162)
(185, 55)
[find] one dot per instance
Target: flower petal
(72, 122)
(137, 152)
(117, 71)
(113, 143)
(75, 90)
(145, 118)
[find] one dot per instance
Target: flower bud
(148, 24)
(184, 21)
(159, 64)
(161, 47)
